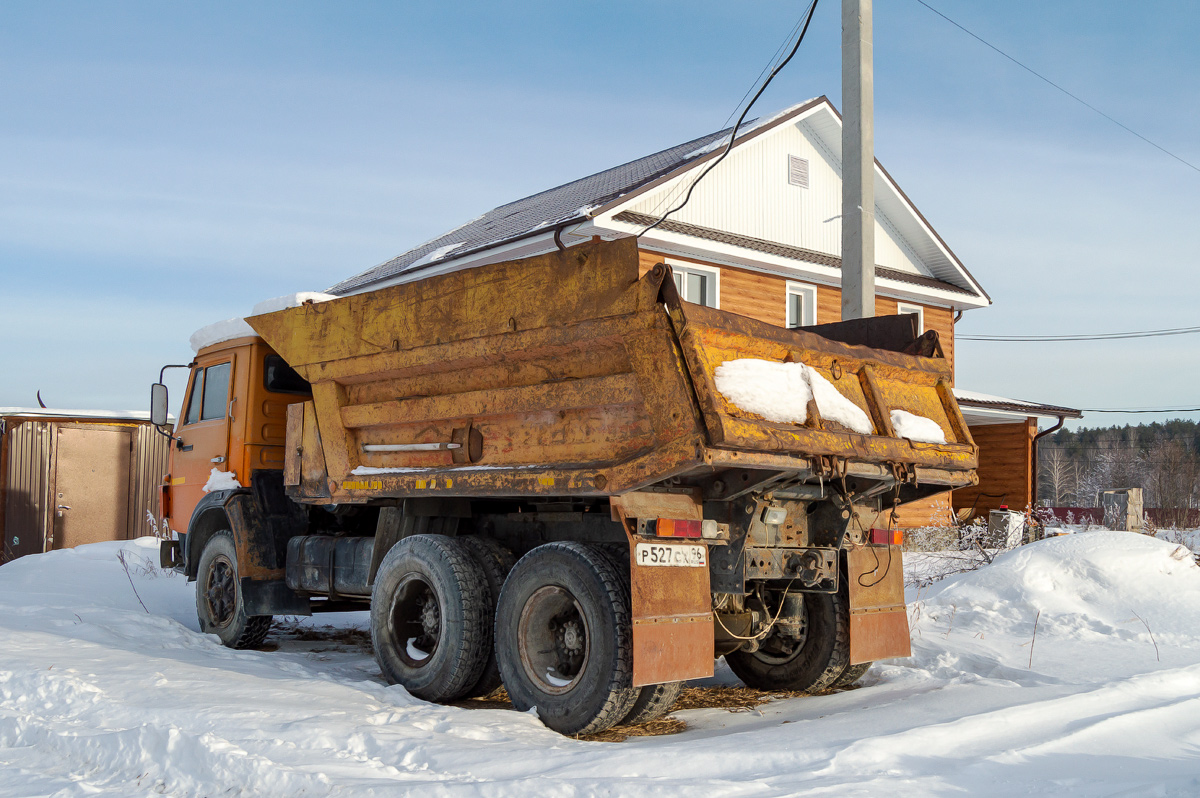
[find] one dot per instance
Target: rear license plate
(656, 554)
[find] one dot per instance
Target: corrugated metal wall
(150, 462)
(29, 476)
(27, 487)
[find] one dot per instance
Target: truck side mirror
(158, 404)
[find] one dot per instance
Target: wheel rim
(220, 591)
(416, 621)
(553, 640)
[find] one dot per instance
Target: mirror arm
(166, 432)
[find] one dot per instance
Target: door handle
(63, 507)
(218, 459)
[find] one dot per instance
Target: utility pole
(858, 162)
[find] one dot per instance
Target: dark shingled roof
(540, 212)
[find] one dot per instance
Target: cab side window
(210, 394)
(193, 413)
(216, 392)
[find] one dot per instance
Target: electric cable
(733, 134)
(1146, 410)
(1074, 97)
(1081, 336)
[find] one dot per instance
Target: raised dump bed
(571, 375)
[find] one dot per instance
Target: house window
(801, 305)
(698, 284)
(902, 308)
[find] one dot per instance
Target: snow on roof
(229, 329)
(988, 401)
(128, 415)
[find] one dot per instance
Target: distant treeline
(1160, 458)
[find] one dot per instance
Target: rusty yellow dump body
(569, 375)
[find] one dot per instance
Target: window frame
(909, 307)
(200, 378)
(711, 272)
(809, 292)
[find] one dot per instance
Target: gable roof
(571, 202)
(601, 204)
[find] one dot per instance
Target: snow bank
(222, 331)
(100, 696)
(1104, 590)
(220, 480)
(780, 392)
(917, 428)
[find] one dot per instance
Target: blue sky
(163, 166)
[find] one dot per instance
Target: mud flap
(272, 597)
(673, 635)
(672, 618)
(878, 614)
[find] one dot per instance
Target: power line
(733, 133)
(1157, 410)
(1081, 336)
(1074, 97)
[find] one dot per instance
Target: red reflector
(887, 537)
(164, 501)
(677, 528)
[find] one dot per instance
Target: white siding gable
(749, 194)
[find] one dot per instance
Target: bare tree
(1172, 472)
(1056, 476)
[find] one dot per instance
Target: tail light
(676, 528)
(887, 537)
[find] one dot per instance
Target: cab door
(203, 432)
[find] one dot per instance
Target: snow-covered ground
(100, 696)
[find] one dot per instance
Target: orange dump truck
(555, 475)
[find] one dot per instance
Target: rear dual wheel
(563, 638)
(810, 662)
(431, 617)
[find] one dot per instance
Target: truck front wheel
(430, 617)
(219, 604)
(563, 638)
(811, 662)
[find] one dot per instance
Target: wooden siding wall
(1005, 468)
(764, 297)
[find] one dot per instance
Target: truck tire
(219, 604)
(814, 663)
(430, 624)
(564, 638)
(653, 701)
(852, 674)
(496, 561)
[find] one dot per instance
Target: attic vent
(798, 171)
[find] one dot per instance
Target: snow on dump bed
(229, 329)
(780, 392)
(102, 697)
(917, 428)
